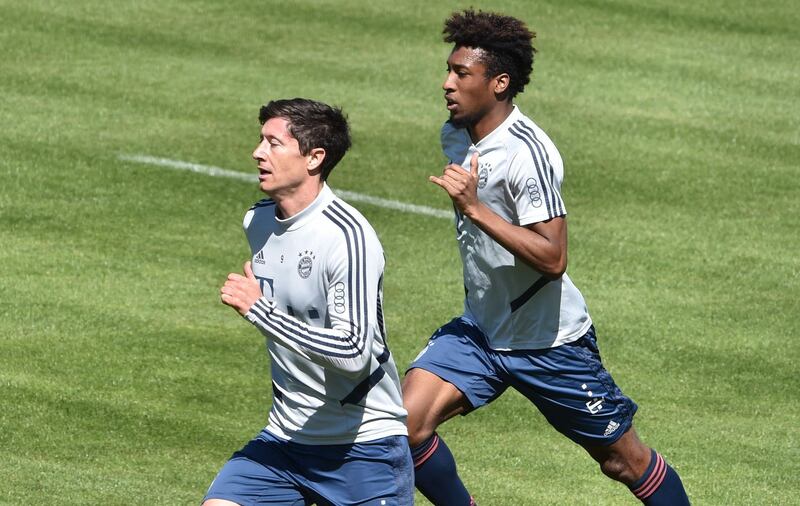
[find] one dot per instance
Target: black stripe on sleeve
(356, 248)
(302, 334)
(558, 203)
(361, 261)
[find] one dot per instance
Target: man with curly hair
(525, 324)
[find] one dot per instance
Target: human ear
(501, 82)
(315, 158)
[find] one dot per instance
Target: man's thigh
(247, 482)
(457, 353)
(271, 471)
(375, 473)
(573, 390)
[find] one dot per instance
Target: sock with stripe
(660, 485)
(435, 474)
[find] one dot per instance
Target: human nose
(447, 85)
(259, 152)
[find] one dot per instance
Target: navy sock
(660, 485)
(435, 474)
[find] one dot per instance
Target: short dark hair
(506, 41)
(314, 125)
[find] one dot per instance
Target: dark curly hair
(314, 125)
(506, 41)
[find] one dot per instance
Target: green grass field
(123, 379)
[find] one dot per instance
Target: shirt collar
(298, 220)
(497, 133)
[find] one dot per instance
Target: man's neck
(491, 120)
(295, 200)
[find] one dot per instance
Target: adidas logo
(612, 426)
(259, 258)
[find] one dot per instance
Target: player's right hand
(461, 185)
(241, 292)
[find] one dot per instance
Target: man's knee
(420, 425)
(219, 502)
(429, 401)
(625, 460)
(617, 468)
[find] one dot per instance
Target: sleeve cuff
(260, 310)
(526, 220)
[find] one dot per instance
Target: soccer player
(525, 325)
(336, 432)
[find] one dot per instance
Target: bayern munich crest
(483, 174)
(305, 264)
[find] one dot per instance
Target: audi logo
(533, 192)
(338, 297)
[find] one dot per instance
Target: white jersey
(321, 273)
(520, 174)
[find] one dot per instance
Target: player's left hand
(461, 185)
(241, 292)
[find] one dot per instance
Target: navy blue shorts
(270, 470)
(567, 383)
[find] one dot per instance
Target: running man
(525, 324)
(313, 287)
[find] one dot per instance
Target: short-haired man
(336, 432)
(525, 324)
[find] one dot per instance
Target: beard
(464, 121)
